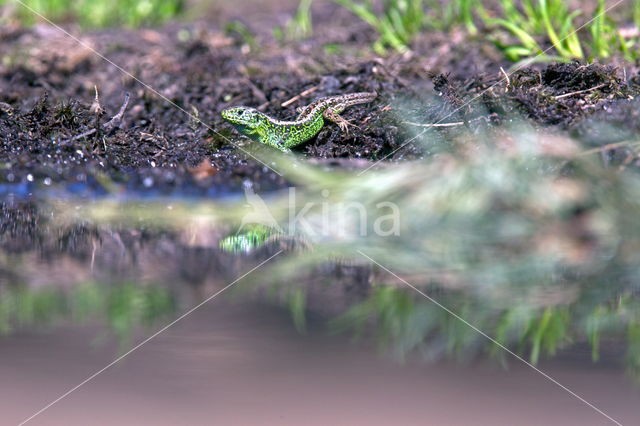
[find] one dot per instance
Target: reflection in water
(405, 323)
(123, 307)
(533, 252)
(53, 269)
(247, 239)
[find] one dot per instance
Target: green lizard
(287, 134)
(254, 236)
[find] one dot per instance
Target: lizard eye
(251, 115)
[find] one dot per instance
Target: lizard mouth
(248, 131)
(242, 128)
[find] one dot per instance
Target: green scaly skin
(284, 135)
(254, 236)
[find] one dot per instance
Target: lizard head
(246, 120)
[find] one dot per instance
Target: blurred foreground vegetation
(527, 235)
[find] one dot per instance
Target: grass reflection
(122, 307)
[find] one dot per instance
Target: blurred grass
(299, 26)
(549, 18)
(521, 30)
(396, 21)
(123, 307)
(525, 234)
(95, 13)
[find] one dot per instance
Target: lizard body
(284, 135)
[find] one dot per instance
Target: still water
(302, 336)
(244, 363)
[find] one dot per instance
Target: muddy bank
(171, 140)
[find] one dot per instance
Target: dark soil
(53, 134)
